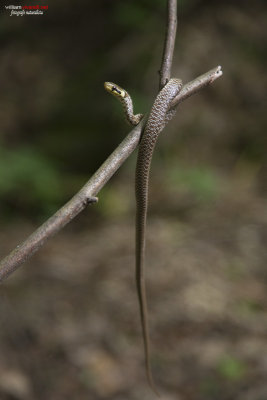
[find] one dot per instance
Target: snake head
(114, 89)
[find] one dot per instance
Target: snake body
(158, 118)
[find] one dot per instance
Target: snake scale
(157, 119)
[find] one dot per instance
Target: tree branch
(84, 197)
(197, 84)
(170, 35)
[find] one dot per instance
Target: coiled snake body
(158, 118)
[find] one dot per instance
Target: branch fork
(88, 192)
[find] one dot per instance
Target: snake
(159, 116)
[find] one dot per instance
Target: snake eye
(114, 89)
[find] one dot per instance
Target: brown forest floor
(69, 318)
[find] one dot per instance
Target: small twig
(170, 35)
(78, 203)
(197, 84)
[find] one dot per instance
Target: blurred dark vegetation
(58, 124)
(69, 318)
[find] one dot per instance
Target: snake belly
(158, 118)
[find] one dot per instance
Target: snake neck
(132, 119)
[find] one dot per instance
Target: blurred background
(69, 318)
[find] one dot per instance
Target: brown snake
(159, 116)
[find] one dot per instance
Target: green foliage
(249, 307)
(28, 181)
(231, 368)
(114, 201)
(201, 182)
(137, 14)
(131, 14)
(209, 387)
